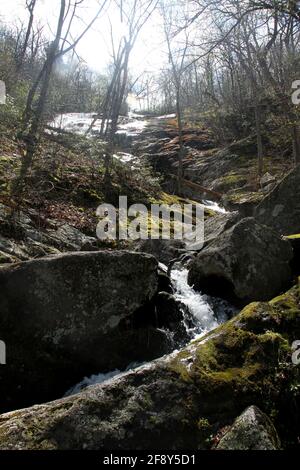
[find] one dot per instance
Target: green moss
(204, 428)
(232, 180)
(179, 364)
(243, 197)
(244, 358)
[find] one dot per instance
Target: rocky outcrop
(67, 316)
(179, 402)
(24, 236)
(214, 226)
(248, 262)
(253, 430)
(280, 209)
(163, 250)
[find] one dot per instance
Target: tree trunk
(296, 143)
(32, 137)
(259, 140)
(31, 7)
(181, 143)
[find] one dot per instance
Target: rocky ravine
(62, 316)
(183, 400)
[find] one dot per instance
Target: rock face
(248, 261)
(67, 316)
(280, 209)
(180, 401)
(214, 226)
(253, 430)
(24, 236)
(164, 250)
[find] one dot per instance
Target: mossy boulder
(246, 262)
(181, 401)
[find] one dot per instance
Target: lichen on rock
(183, 400)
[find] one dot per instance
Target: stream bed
(202, 313)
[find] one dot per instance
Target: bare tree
(30, 6)
(134, 14)
(33, 118)
(177, 56)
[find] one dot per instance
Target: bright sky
(148, 54)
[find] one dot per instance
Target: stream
(205, 312)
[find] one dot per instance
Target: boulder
(280, 209)
(252, 430)
(66, 316)
(180, 401)
(295, 242)
(163, 250)
(214, 226)
(247, 262)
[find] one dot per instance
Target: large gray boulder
(214, 226)
(66, 316)
(280, 209)
(252, 430)
(248, 262)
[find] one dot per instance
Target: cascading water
(202, 319)
(202, 313)
(198, 307)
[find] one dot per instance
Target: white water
(214, 206)
(100, 378)
(199, 308)
(132, 128)
(79, 123)
(124, 157)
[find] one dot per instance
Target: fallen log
(198, 187)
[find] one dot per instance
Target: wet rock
(280, 209)
(295, 242)
(179, 401)
(248, 262)
(66, 316)
(253, 430)
(163, 250)
(164, 282)
(267, 179)
(170, 315)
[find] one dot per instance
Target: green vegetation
(249, 358)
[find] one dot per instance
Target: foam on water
(214, 206)
(197, 304)
(100, 378)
